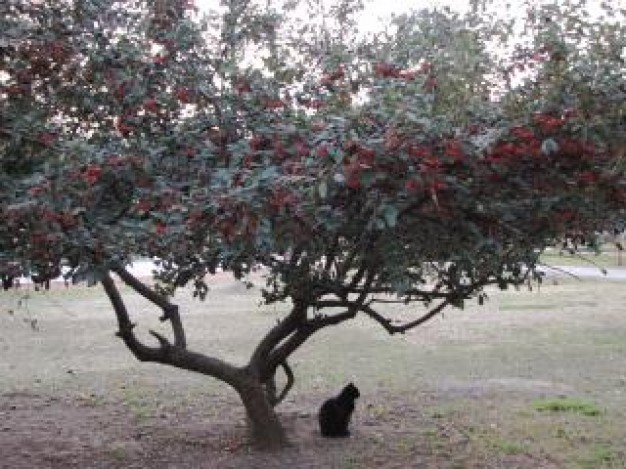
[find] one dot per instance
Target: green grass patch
(138, 404)
(607, 257)
(600, 457)
(564, 404)
(118, 453)
(493, 442)
(509, 447)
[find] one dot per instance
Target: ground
(530, 380)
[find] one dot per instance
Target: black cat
(335, 413)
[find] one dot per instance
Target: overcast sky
(378, 9)
(381, 8)
(385, 7)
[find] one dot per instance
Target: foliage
(567, 405)
(416, 165)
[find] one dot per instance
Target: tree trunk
(265, 428)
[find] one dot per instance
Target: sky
(381, 8)
(378, 9)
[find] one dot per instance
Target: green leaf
(337, 155)
(390, 214)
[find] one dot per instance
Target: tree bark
(265, 428)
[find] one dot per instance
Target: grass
(137, 403)
(465, 390)
(118, 453)
(564, 404)
(510, 448)
(607, 257)
(600, 456)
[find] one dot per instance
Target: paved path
(145, 268)
(610, 273)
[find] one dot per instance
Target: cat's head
(351, 390)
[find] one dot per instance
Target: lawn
(531, 379)
(608, 256)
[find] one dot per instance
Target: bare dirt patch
(40, 431)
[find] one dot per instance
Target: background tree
(416, 166)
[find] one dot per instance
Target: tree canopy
(415, 165)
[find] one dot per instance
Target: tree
(414, 166)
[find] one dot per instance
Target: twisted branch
(288, 385)
(165, 353)
(170, 311)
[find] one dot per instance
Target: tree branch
(165, 353)
(321, 321)
(394, 329)
(277, 334)
(170, 311)
(125, 326)
(449, 299)
(281, 352)
(332, 253)
(288, 385)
